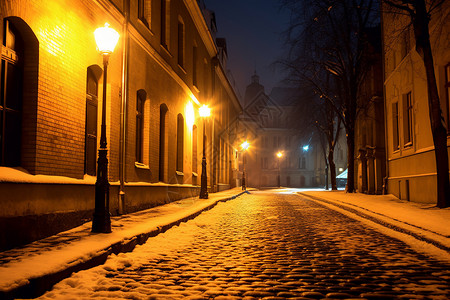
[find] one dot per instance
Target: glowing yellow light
(204, 111)
(245, 145)
(106, 39)
(279, 154)
(194, 99)
(190, 114)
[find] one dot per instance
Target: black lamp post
(279, 155)
(244, 147)
(106, 39)
(205, 112)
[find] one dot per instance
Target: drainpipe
(123, 108)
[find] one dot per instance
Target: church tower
(252, 90)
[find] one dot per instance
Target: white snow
(35, 262)
(423, 219)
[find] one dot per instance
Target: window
(90, 153)
(194, 66)
(140, 100)
(144, 11)
(395, 135)
(194, 149)
(407, 119)
(302, 162)
(162, 141)
(264, 163)
(164, 22)
(180, 142)
(180, 43)
(447, 95)
(11, 97)
(404, 44)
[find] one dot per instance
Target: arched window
(162, 141)
(11, 96)
(140, 101)
(194, 149)
(90, 154)
(180, 142)
(165, 21)
(181, 42)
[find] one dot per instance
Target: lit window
(11, 97)
(180, 142)
(141, 95)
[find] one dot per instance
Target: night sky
(253, 30)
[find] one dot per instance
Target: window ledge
(179, 173)
(408, 145)
(194, 174)
(141, 166)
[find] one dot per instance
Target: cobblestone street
(265, 245)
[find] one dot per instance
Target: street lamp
(279, 155)
(244, 147)
(205, 112)
(106, 39)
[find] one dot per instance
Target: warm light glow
(341, 169)
(279, 154)
(194, 99)
(106, 39)
(245, 145)
(204, 111)
(190, 115)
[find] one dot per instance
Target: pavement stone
(273, 246)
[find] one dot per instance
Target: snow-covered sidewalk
(36, 267)
(423, 226)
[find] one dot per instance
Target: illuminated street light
(244, 147)
(205, 112)
(106, 39)
(279, 155)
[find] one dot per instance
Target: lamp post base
(244, 185)
(101, 223)
(204, 181)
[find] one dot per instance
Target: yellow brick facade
(59, 48)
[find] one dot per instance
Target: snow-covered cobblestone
(264, 245)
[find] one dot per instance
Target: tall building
(164, 67)
(270, 124)
(370, 163)
(411, 166)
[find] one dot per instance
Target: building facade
(269, 124)
(370, 163)
(164, 67)
(411, 166)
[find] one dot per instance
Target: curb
(36, 287)
(380, 222)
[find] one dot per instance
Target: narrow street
(260, 245)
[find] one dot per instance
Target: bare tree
(419, 13)
(327, 41)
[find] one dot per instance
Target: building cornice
(160, 61)
(202, 27)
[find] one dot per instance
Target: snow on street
(264, 245)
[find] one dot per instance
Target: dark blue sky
(252, 29)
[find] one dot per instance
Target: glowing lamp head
(245, 145)
(204, 111)
(279, 154)
(106, 39)
(306, 148)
